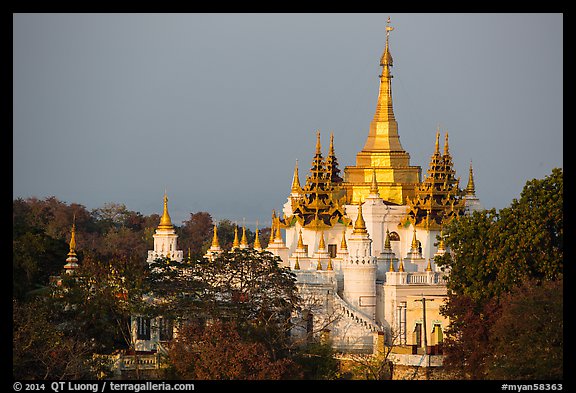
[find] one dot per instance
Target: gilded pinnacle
(360, 224)
(470, 189)
(296, 188)
(322, 245)
(215, 242)
(165, 221)
(236, 243)
(343, 244)
(257, 245)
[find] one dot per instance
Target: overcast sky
(216, 108)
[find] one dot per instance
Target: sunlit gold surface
(382, 151)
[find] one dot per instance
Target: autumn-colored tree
(41, 350)
(217, 351)
(527, 338)
(491, 255)
(194, 233)
(243, 286)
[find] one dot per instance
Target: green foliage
(527, 338)
(316, 359)
(491, 256)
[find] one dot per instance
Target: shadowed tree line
(237, 329)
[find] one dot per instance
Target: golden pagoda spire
(236, 243)
(343, 244)
(441, 246)
(401, 267)
(360, 224)
(165, 221)
(257, 245)
(296, 265)
(322, 244)
(244, 240)
(387, 245)
(429, 266)
(470, 188)
(391, 269)
(446, 144)
(383, 134)
(300, 245)
(296, 188)
(319, 265)
(331, 149)
(414, 244)
(318, 145)
(71, 261)
(272, 229)
(329, 267)
(278, 232)
(215, 242)
(437, 147)
(72, 243)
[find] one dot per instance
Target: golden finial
(329, 267)
(343, 244)
(331, 150)
(387, 245)
(244, 241)
(322, 244)
(386, 59)
(257, 245)
(300, 245)
(296, 188)
(437, 147)
(272, 229)
(374, 185)
(278, 233)
(236, 243)
(446, 144)
(391, 269)
(73, 237)
(319, 265)
(318, 146)
(401, 267)
(441, 243)
(470, 189)
(429, 266)
(360, 224)
(296, 265)
(414, 241)
(215, 242)
(165, 221)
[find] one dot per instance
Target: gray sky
(216, 108)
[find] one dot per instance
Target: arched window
(394, 237)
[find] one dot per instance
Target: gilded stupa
(382, 150)
(319, 203)
(438, 199)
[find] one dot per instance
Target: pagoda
(437, 200)
(382, 150)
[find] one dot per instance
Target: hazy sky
(216, 108)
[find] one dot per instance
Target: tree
(243, 286)
(40, 350)
(218, 351)
(195, 232)
(527, 338)
(491, 256)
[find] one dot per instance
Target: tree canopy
(495, 259)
